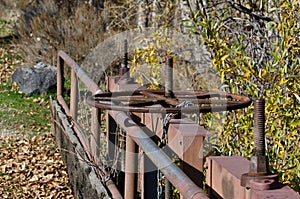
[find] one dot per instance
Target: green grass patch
(23, 113)
(5, 29)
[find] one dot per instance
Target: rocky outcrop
(38, 79)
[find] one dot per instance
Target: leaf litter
(30, 164)
(31, 167)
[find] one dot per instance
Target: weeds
(75, 31)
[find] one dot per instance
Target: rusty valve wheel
(143, 101)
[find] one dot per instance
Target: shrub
(49, 28)
(256, 52)
(190, 66)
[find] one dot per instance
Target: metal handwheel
(181, 101)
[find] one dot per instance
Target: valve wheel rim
(143, 101)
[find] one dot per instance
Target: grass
(19, 112)
(5, 29)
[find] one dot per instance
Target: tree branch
(245, 10)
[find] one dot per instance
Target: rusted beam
(224, 178)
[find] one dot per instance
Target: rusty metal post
(74, 95)
(168, 93)
(123, 71)
(130, 169)
(60, 76)
(95, 128)
(169, 78)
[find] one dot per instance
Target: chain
(164, 140)
(159, 185)
(168, 117)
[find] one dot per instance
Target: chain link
(168, 117)
(159, 185)
(164, 140)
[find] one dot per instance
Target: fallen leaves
(31, 167)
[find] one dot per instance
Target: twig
(245, 10)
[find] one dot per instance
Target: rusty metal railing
(71, 111)
(186, 187)
(224, 174)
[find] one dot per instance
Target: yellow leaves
(278, 144)
(246, 75)
(283, 81)
(147, 62)
(224, 57)
(262, 73)
(139, 80)
(222, 76)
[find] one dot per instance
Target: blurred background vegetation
(253, 45)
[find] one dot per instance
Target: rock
(38, 79)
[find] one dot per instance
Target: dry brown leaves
(31, 167)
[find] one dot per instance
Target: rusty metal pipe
(60, 76)
(90, 84)
(130, 172)
(74, 95)
(175, 175)
(113, 190)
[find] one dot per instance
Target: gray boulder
(38, 79)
